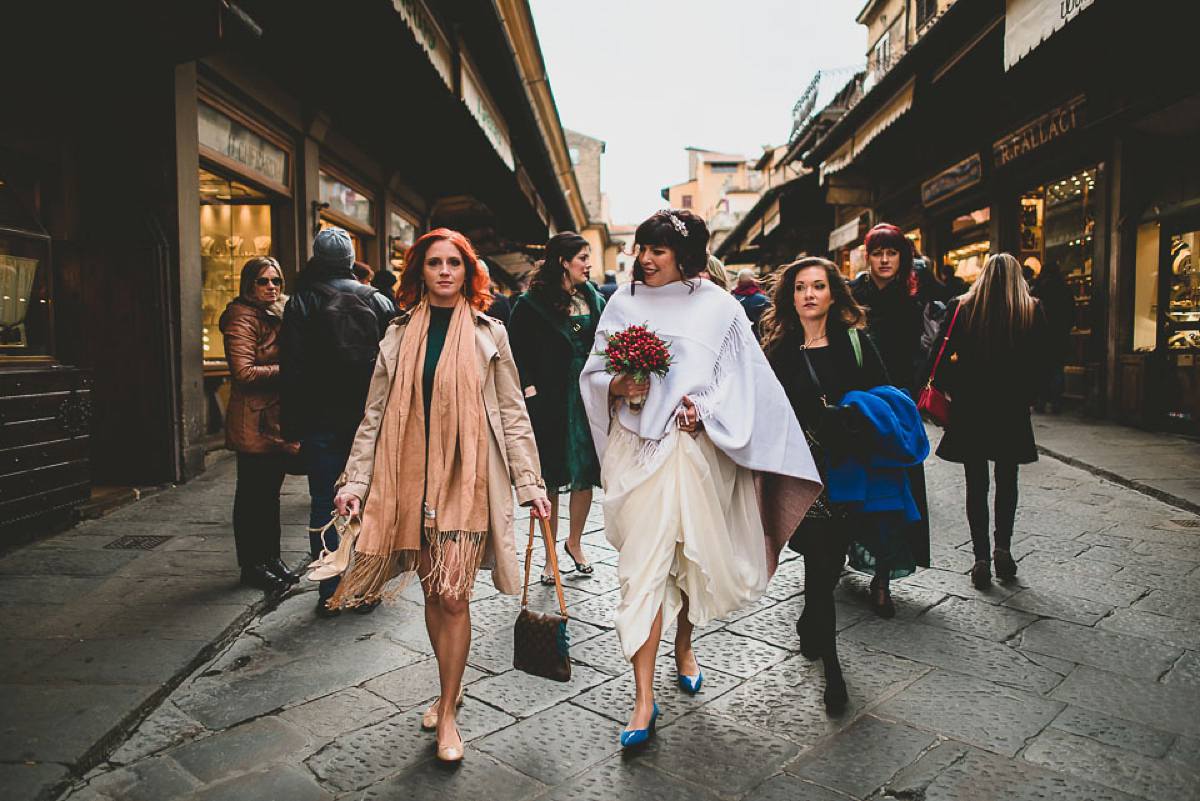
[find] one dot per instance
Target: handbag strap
(551, 557)
(812, 374)
(945, 339)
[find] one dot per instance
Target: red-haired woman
(895, 323)
(444, 438)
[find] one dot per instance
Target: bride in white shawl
(704, 486)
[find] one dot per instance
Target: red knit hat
(886, 235)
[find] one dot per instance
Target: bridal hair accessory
(678, 223)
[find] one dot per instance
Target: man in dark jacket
(328, 344)
(754, 301)
(609, 286)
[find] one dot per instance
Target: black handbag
(541, 646)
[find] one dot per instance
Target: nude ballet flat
(429, 720)
(451, 753)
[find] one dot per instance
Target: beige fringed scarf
(452, 478)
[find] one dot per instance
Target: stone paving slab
(478, 778)
(977, 619)
(866, 755)
(1110, 765)
(1166, 707)
(980, 775)
(954, 651)
(698, 747)
(1118, 653)
(619, 777)
(992, 716)
(1113, 731)
(547, 747)
(1159, 629)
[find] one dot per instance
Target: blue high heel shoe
(639, 736)
(691, 684)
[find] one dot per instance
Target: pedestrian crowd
(418, 403)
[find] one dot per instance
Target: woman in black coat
(992, 367)
(552, 330)
(814, 342)
(895, 321)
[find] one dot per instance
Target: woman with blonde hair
(993, 365)
(444, 438)
(250, 325)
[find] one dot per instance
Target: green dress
(580, 467)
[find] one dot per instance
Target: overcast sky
(651, 77)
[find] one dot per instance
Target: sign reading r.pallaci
(964, 174)
(1043, 130)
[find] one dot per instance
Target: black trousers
(823, 543)
(977, 505)
(256, 507)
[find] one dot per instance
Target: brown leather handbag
(541, 646)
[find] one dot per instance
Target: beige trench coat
(512, 451)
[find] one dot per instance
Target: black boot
(836, 696)
(281, 571)
(262, 578)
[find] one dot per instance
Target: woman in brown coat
(251, 326)
(444, 441)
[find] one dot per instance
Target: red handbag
(932, 403)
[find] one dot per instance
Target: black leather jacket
(316, 397)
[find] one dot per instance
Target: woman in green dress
(552, 331)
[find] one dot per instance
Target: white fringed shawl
(719, 365)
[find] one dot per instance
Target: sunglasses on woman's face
(263, 281)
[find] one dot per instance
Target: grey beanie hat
(332, 249)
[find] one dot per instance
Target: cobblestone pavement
(1079, 680)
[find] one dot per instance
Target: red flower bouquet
(639, 353)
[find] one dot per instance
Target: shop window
(969, 244)
(26, 324)
(235, 226)
(345, 201)
(1057, 225)
(402, 233)
(1182, 321)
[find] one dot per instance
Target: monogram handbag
(540, 642)
(932, 402)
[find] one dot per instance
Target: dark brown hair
(547, 281)
(251, 270)
(691, 251)
(782, 318)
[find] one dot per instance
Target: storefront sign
(846, 234)
(962, 175)
(486, 115)
(1044, 129)
(231, 139)
(1028, 23)
(429, 36)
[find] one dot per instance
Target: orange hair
(476, 284)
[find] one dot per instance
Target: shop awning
(838, 160)
(874, 125)
(888, 113)
(845, 234)
(1028, 23)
